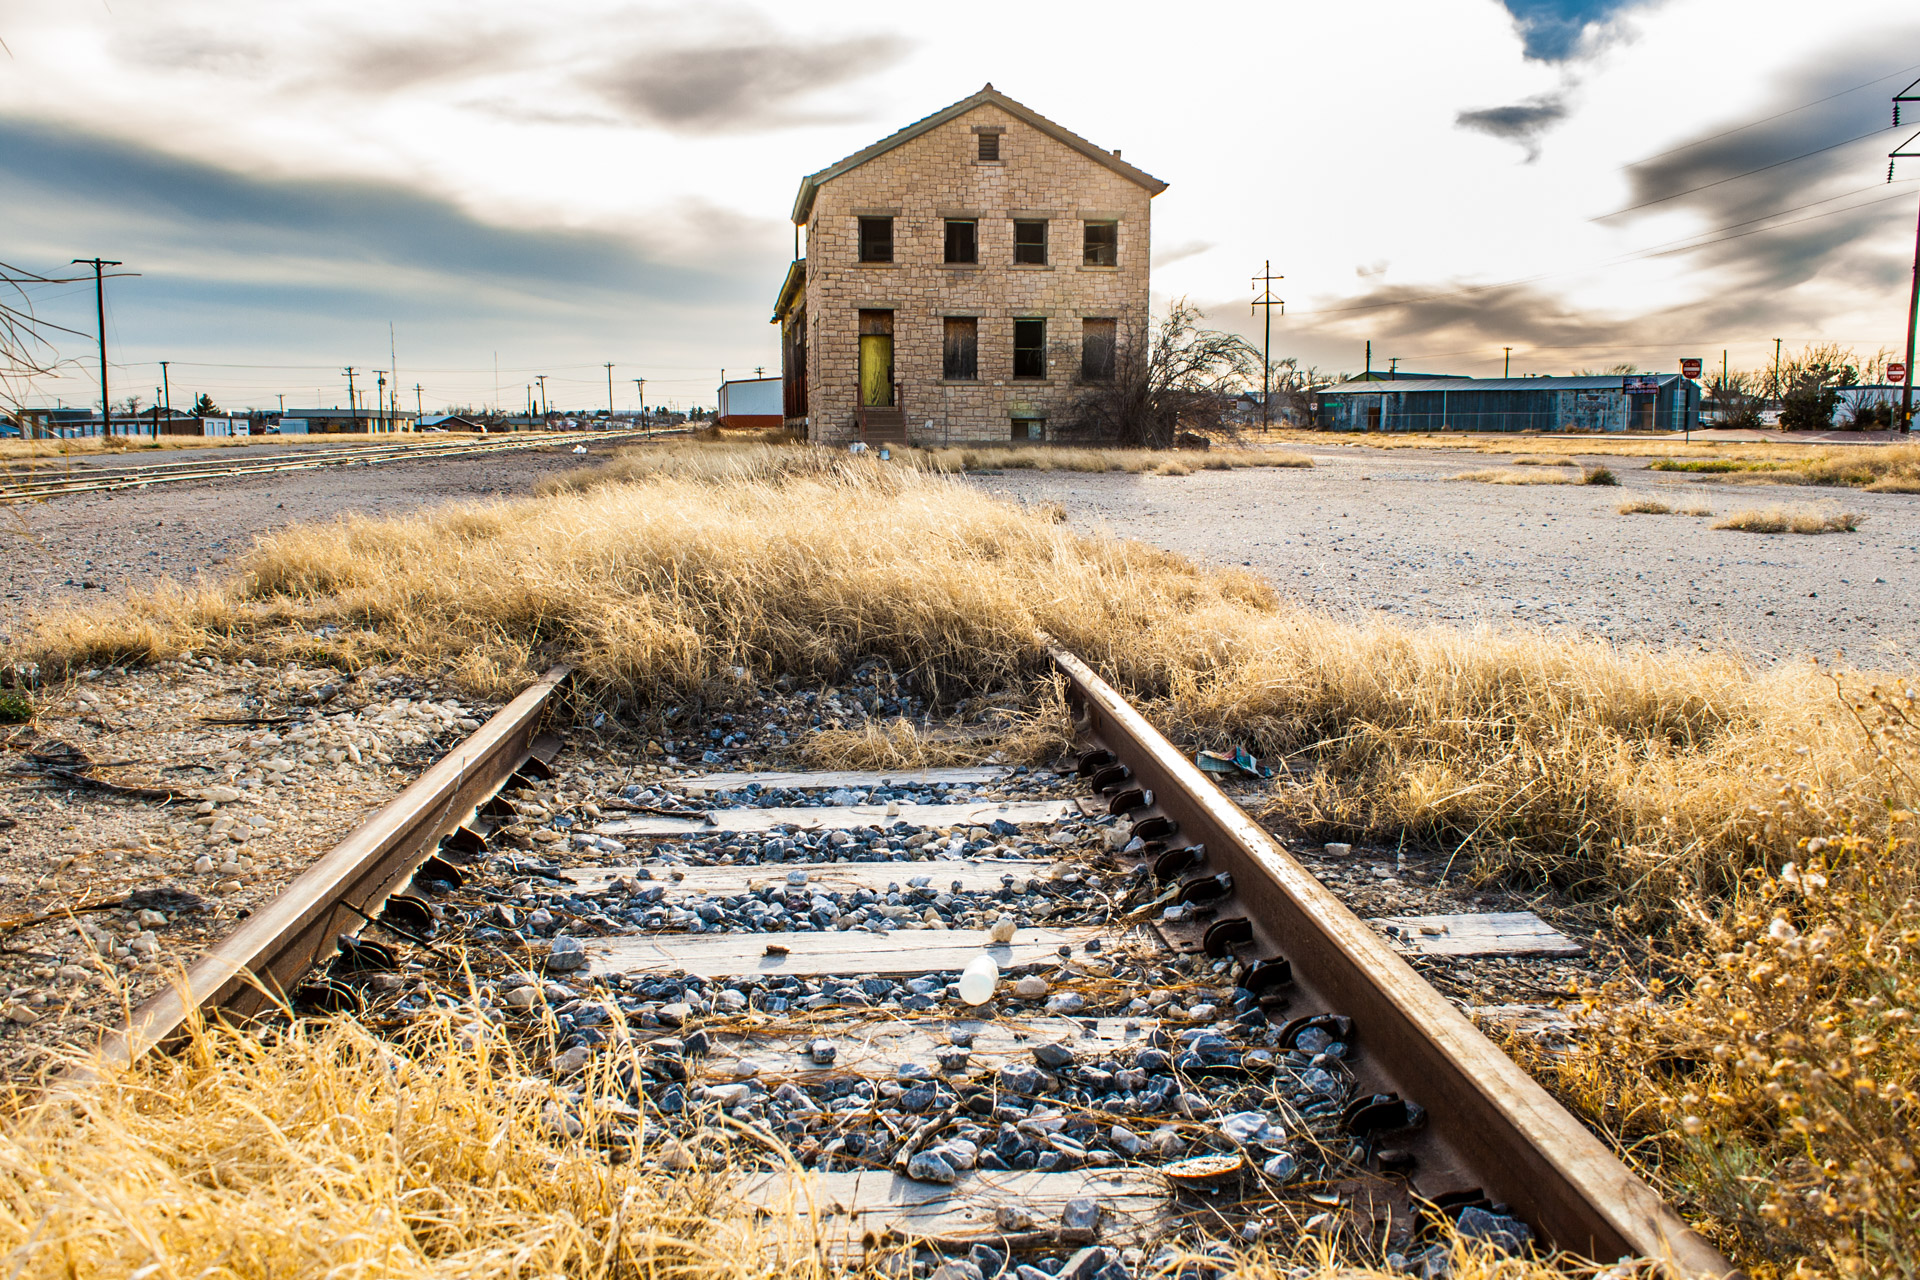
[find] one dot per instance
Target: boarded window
(1029, 429)
(1029, 348)
(961, 358)
(1030, 242)
(1102, 244)
(1097, 339)
(963, 240)
(876, 239)
(989, 146)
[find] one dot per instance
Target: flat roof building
(1633, 402)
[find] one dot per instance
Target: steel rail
(254, 968)
(1490, 1132)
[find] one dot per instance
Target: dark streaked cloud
(402, 63)
(742, 85)
(1521, 122)
(1556, 30)
(262, 226)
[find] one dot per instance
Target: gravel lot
(1371, 532)
(70, 548)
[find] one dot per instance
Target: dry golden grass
(1512, 475)
(1672, 788)
(1618, 773)
(322, 1152)
(1776, 1088)
(1790, 519)
(1889, 468)
(1655, 507)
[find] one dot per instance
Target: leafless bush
(1184, 382)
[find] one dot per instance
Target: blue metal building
(1636, 402)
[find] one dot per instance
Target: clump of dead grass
(1513, 475)
(1777, 1088)
(1655, 507)
(1790, 519)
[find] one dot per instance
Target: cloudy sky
(546, 188)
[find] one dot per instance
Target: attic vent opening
(989, 146)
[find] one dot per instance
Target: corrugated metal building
(1636, 402)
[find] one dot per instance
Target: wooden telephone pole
(1909, 94)
(1263, 297)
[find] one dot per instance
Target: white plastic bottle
(978, 979)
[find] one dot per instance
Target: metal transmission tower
(1263, 297)
(1905, 151)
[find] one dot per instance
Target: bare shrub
(1644, 507)
(1510, 475)
(1183, 381)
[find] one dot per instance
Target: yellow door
(876, 369)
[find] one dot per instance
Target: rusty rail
(253, 968)
(1490, 1133)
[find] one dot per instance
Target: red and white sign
(1689, 366)
(1896, 373)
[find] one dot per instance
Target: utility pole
(609, 396)
(418, 412)
(1393, 368)
(100, 312)
(1506, 370)
(640, 393)
(393, 363)
(281, 396)
(1776, 369)
(1263, 297)
(166, 388)
(1909, 94)
(353, 406)
(544, 408)
(381, 403)
(1369, 357)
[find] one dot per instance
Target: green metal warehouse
(1635, 402)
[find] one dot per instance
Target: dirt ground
(69, 548)
(1371, 531)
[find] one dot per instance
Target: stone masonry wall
(920, 184)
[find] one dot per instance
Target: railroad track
(111, 480)
(1185, 1037)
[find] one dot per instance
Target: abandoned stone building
(964, 280)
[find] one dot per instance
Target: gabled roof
(987, 97)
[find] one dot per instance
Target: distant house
(338, 421)
(1635, 402)
(751, 402)
(450, 422)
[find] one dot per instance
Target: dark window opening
(1103, 244)
(961, 358)
(1029, 428)
(1030, 242)
(989, 146)
(876, 239)
(963, 239)
(1097, 338)
(1029, 348)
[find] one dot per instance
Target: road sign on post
(1690, 366)
(1896, 373)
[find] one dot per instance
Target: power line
(1717, 182)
